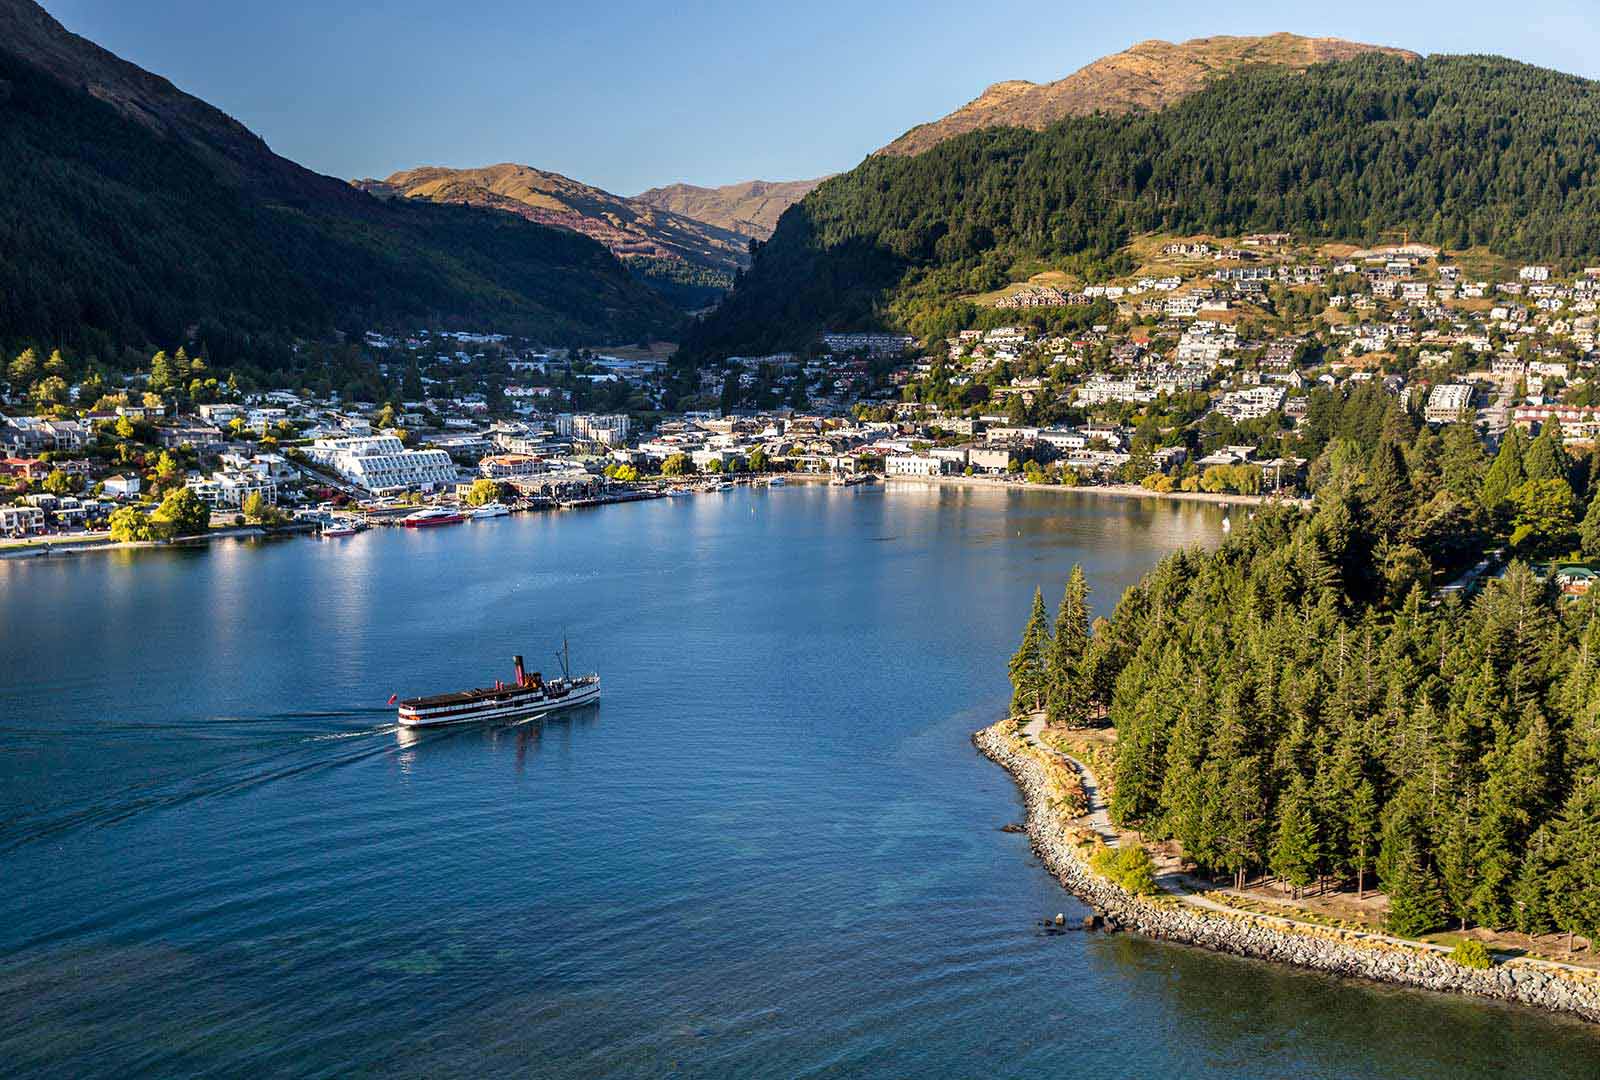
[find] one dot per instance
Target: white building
(231, 487)
(912, 465)
(1447, 403)
(611, 430)
(382, 464)
(1251, 404)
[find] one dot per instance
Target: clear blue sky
(633, 93)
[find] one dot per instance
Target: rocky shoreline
(1339, 952)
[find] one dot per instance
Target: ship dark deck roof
(467, 697)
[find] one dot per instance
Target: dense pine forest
(1461, 151)
(1300, 702)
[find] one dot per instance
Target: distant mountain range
(629, 227)
(132, 212)
(1149, 76)
(751, 208)
(687, 242)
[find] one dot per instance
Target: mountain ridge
(1149, 75)
(627, 228)
(1461, 151)
(137, 212)
(750, 207)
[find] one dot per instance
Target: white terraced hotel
(381, 463)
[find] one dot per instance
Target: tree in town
(129, 523)
(183, 512)
(1543, 516)
(58, 483)
(163, 375)
(1547, 455)
(22, 371)
(1506, 473)
(1462, 462)
(483, 492)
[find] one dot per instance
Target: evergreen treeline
(1461, 150)
(1298, 702)
(111, 233)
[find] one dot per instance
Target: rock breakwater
(1340, 952)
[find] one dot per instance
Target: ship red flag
(392, 698)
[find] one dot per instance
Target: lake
(771, 850)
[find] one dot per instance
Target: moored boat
(530, 695)
(434, 515)
(491, 510)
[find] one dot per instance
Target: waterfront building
(381, 463)
(230, 488)
(507, 466)
(912, 465)
(21, 520)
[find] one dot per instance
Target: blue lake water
(770, 851)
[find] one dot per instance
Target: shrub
(1129, 866)
(1471, 953)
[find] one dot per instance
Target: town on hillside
(1197, 372)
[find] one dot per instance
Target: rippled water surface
(770, 851)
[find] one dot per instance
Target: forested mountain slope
(132, 211)
(1460, 150)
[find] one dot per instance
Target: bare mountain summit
(751, 208)
(1149, 76)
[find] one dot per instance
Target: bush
(1129, 866)
(1471, 953)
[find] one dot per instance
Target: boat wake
(279, 760)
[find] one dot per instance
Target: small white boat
(491, 510)
(777, 481)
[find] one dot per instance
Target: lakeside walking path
(1180, 886)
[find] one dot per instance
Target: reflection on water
(777, 855)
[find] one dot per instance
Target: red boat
(436, 515)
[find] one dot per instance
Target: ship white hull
(490, 710)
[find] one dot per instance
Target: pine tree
(1296, 851)
(1456, 852)
(1574, 885)
(1068, 688)
(1361, 823)
(1388, 488)
(1589, 529)
(1514, 796)
(1506, 474)
(161, 373)
(1462, 463)
(1414, 905)
(1028, 664)
(1547, 456)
